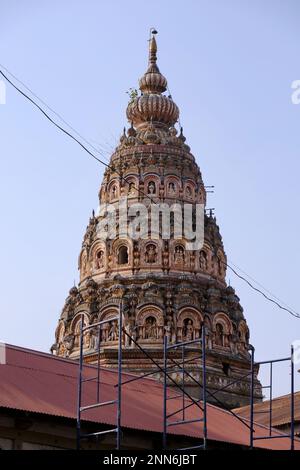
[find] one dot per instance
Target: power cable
(72, 136)
(56, 114)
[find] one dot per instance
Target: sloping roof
(42, 383)
(281, 410)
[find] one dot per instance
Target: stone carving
(151, 328)
(113, 333)
(136, 255)
(100, 259)
(68, 344)
(131, 188)
(105, 327)
(114, 192)
(84, 264)
(188, 330)
(179, 255)
(94, 338)
(151, 187)
(131, 330)
(219, 335)
(203, 260)
(172, 188)
(169, 329)
(151, 253)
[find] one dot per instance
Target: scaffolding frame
(81, 381)
(166, 424)
(187, 399)
(291, 434)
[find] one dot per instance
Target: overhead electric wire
(263, 287)
(70, 135)
(294, 314)
(55, 112)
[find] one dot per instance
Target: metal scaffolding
(180, 367)
(97, 378)
(170, 365)
(291, 434)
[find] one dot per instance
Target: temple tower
(165, 287)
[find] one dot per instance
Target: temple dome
(153, 82)
(152, 108)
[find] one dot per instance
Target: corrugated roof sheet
(42, 383)
(281, 410)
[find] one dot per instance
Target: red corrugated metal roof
(281, 410)
(42, 383)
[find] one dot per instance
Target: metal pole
(252, 398)
(165, 393)
(204, 388)
(98, 365)
(119, 377)
(183, 383)
(292, 401)
(79, 386)
(271, 398)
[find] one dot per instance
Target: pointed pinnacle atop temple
(152, 54)
(153, 81)
(152, 107)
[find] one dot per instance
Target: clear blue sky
(230, 65)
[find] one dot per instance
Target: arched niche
(189, 190)
(172, 186)
(122, 249)
(131, 186)
(150, 322)
(189, 322)
(98, 255)
(151, 184)
(109, 329)
(114, 190)
(75, 328)
(222, 327)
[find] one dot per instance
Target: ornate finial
(152, 107)
(153, 81)
(152, 49)
(181, 136)
(131, 131)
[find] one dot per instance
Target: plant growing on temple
(132, 93)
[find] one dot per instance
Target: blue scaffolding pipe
(291, 435)
(81, 381)
(166, 424)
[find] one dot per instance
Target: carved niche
(189, 324)
(150, 323)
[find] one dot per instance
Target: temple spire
(152, 66)
(152, 109)
(153, 81)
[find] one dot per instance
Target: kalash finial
(153, 51)
(151, 109)
(153, 81)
